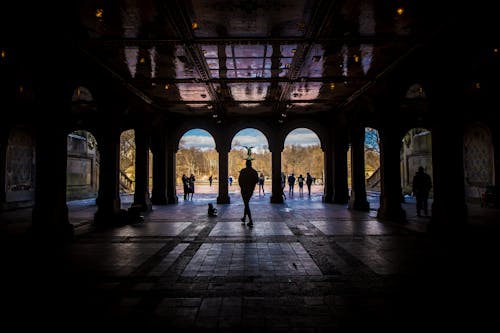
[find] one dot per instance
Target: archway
(302, 154)
(416, 152)
(127, 166)
(254, 142)
(198, 160)
(82, 166)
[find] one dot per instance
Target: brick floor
(304, 267)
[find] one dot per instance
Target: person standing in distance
(247, 180)
(421, 186)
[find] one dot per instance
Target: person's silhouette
(421, 186)
(247, 180)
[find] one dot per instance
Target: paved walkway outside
(305, 266)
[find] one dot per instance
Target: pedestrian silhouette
(261, 183)
(247, 180)
(210, 179)
(300, 181)
(309, 181)
(185, 186)
(421, 186)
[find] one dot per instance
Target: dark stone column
(328, 176)
(108, 198)
(159, 148)
(276, 148)
(358, 199)
(448, 207)
(4, 141)
(340, 145)
(50, 213)
(390, 178)
(141, 194)
(223, 150)
(171, 183)
(496, 155)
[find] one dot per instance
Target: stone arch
(185, 127)
(416, 91)
(82, 165)
(316, 128)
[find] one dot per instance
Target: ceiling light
(215, 115)
(99, 12)
(356, 58)
(21, 89)
(167, 86)
(400, 11)
(194, 25)
(332, 86)
(495, 50)
(478, 85)
(3, 54)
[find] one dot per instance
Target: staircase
(373, 182)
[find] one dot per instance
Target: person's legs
(419, 204)
(424, 205)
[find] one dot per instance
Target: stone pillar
(340, 145)
(4, 141)
(358, 199)
(496, 155)
(171, 179)
(448, 207)
(141, 194)
(159, 148)
(223, 150)
(390, 178)
(276, 147)
(50, 213)
(108, 198)
(328, 171)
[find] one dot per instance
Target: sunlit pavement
(305, 266)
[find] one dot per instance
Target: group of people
(249, 178)
(188, 186)
(308, 180)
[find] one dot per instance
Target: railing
(373, 182)
(126, 184)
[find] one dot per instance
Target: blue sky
(247, 137)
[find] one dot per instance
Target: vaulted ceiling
(246, 57)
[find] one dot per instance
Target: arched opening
(250, 143)
(416, 152)
(82, 176)
(82, 166)
(197, 166)
(372, 166)
(127, 166)
(20, 169)
(302, 155)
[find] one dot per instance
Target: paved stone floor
(304, 267)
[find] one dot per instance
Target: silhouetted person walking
(309, 181)
(261, 183)
(421, 186)
(247, 180)
(210, 179)
(300, 181)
